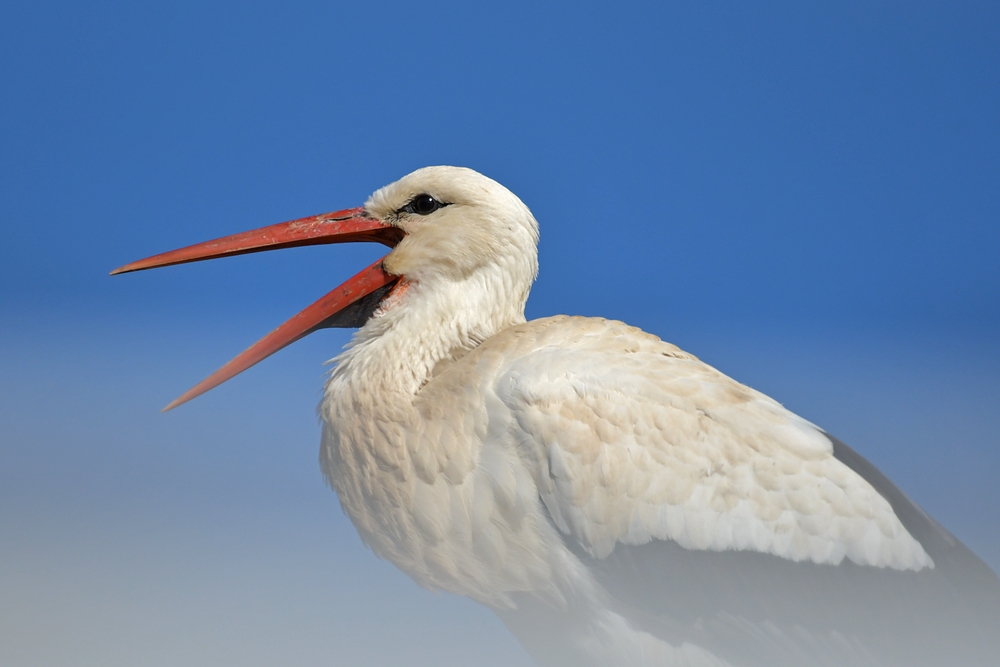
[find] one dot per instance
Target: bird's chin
(351, 304)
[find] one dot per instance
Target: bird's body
(614, 499)
(525, 473)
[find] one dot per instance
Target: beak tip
(170, 406)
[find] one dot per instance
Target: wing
(709, 513)
(636, 440)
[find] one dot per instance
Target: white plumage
(615, 499)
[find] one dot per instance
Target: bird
(611, 497)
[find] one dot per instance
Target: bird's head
(452, 231)
(456, 222)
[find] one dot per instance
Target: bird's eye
(424, 205)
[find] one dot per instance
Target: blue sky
(803, 195)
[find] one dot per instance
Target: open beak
(349, 305)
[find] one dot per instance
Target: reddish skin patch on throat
(399, 288)
(392, 298)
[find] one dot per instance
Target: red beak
(345, 306)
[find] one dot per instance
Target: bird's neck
(372, 424)
(418, 327)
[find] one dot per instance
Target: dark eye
(423, 205)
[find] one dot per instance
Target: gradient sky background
(804, 195)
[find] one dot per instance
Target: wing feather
(635, 440)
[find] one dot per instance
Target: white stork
(615, 500)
